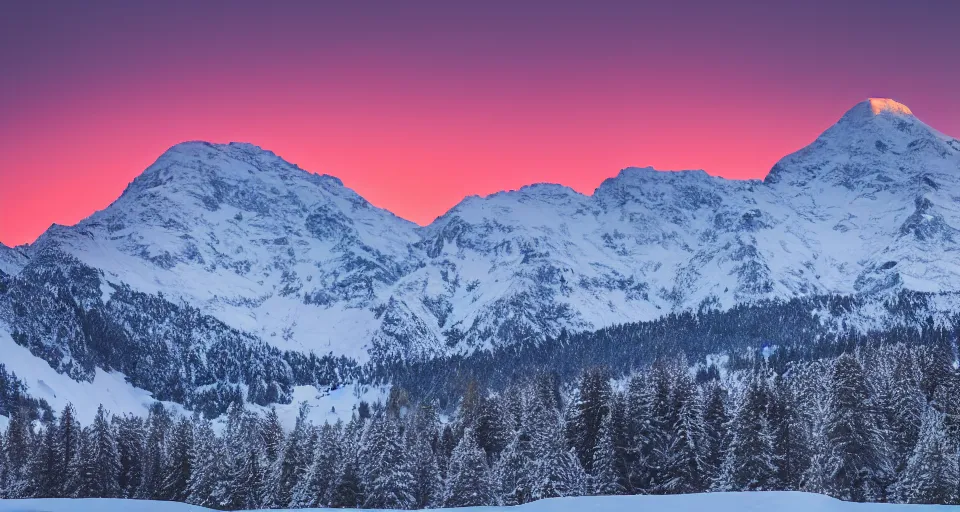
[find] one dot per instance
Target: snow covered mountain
(275, 255)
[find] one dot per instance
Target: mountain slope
(229, 246)
(290, 256)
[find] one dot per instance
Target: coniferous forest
(878, 423)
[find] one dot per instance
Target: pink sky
(417, 106)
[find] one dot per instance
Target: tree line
(874, 424)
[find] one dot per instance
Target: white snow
(714, 502)
(42, 381)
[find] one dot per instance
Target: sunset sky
(416, 105)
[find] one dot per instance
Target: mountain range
(229, 245)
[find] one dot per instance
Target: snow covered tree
(606, 480)
(291, 463)
(790, 437)
(159, 422)
(715, 419)
(857, 467)
(131, 444)
(314, 486)
(271, 431)
(206, 467)
(512, 472)
(18, 447)
(245, 472)
(104, 461)
(931, 475)
(749, 463)
(422, 430)
(556, 471)
(45, 474)
(386, 477)
(684, 459)
(177, 471)
(347, 492)
(468, 482)
(588, 410)
(69, 436)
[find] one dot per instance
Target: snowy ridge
(720, 502)
(305, 264)
(11, 260)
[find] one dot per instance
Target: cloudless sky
(418, 104)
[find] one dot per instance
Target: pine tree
(386, 477)
(273, 437)
(749, 463)
(176, 478)
(17, 444)
(588, 410)
(650, 406)
(556, 470)
(904, 406)
(69, 436)
(348, 491)
(715, 420)
(244, 471)
(790, 439)
(605, 479)
(512, 473)
(159, 422)
(131, 446)
(468, 483)
(857, 468)
(315, 485)
(931, 475)
(206, 466)
(4, 469)
(291, 464)
(684, 460)
(44, 473)
(82, 471)
(427, 485)
(104, 463)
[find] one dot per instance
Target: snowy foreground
(714, 502)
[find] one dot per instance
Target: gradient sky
(416, 105)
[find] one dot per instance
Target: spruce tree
(159, 422)
(468, 481)
(68, 439)
(44, 473)
(749, 463)
(104, 458)
(790, 438)
(931, 475)
(421, 432)
(857, 467)
(588, 410)
(684, 460)
(206, 466)
(513, 470)
(315, 486)
(131, 447)
(605, 479)
(176, 478)
(386, 478)
(18, 447)
(292, 462)
(556, 470)
(715, 425)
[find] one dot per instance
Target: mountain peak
(872, 108)
(880, 105)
